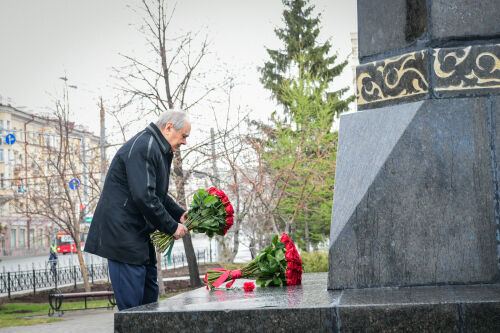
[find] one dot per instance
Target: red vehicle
(65, 244)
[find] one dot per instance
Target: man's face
(174, 137)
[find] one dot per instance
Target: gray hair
(177, 118)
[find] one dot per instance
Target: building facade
(30, 146)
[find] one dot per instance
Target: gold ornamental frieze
(394, 78)
(474, 69)
(467, 68)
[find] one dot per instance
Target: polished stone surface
(312, 308)
(306, 308)
(390, 27)
(312, 293)
(465, 18)
(414, 196)
(374, 34)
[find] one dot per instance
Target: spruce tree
(301, 54)
(301, 148)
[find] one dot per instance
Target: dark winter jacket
(134, 201)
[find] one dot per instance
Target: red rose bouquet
(276, 265)
(210, 213)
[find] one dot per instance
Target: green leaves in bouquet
(209, 200)
(198, 199)
(272, 264)
(274, 240)
(208, 213)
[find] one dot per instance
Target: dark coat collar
(162, 142)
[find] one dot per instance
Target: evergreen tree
(301, 54)
(301, 148)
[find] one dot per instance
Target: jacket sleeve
(173, 208)
(141, 176)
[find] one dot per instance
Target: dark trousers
(133, 285)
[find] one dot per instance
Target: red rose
(229, 210)
(294, 263)
(248, 286)
(220, 193)
(229, 224)
(285, 239)
(212, 191)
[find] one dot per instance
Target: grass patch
(24, 314)
(18, 314)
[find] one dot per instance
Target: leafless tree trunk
(306, 235)
(194, 273)
(161, 284)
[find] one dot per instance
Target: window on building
(40, 234)
(22, 238)
(1, 210)
(2, 184)
(1, 155)
(8, 124)
(13, 238)
(32, 237)
(1, 126)
(10, 209)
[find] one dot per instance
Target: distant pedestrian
(53, 260)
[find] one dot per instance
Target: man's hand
(180, 232)
(183, 217)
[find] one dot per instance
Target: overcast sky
(42, 40)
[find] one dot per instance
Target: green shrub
(313, 262)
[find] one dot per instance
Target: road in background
(200, 243)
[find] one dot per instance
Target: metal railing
(53, 276)
(179, 260)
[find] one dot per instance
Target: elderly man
(134, 202)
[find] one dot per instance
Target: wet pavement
(75, 322)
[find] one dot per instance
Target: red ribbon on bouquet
(234, 275)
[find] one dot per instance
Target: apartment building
(28, 171)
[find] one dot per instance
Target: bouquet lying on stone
(210, 213)
(276, 265)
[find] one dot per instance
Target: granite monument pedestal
(417, 181)
(312, 308)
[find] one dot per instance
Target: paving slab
(73, 322)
